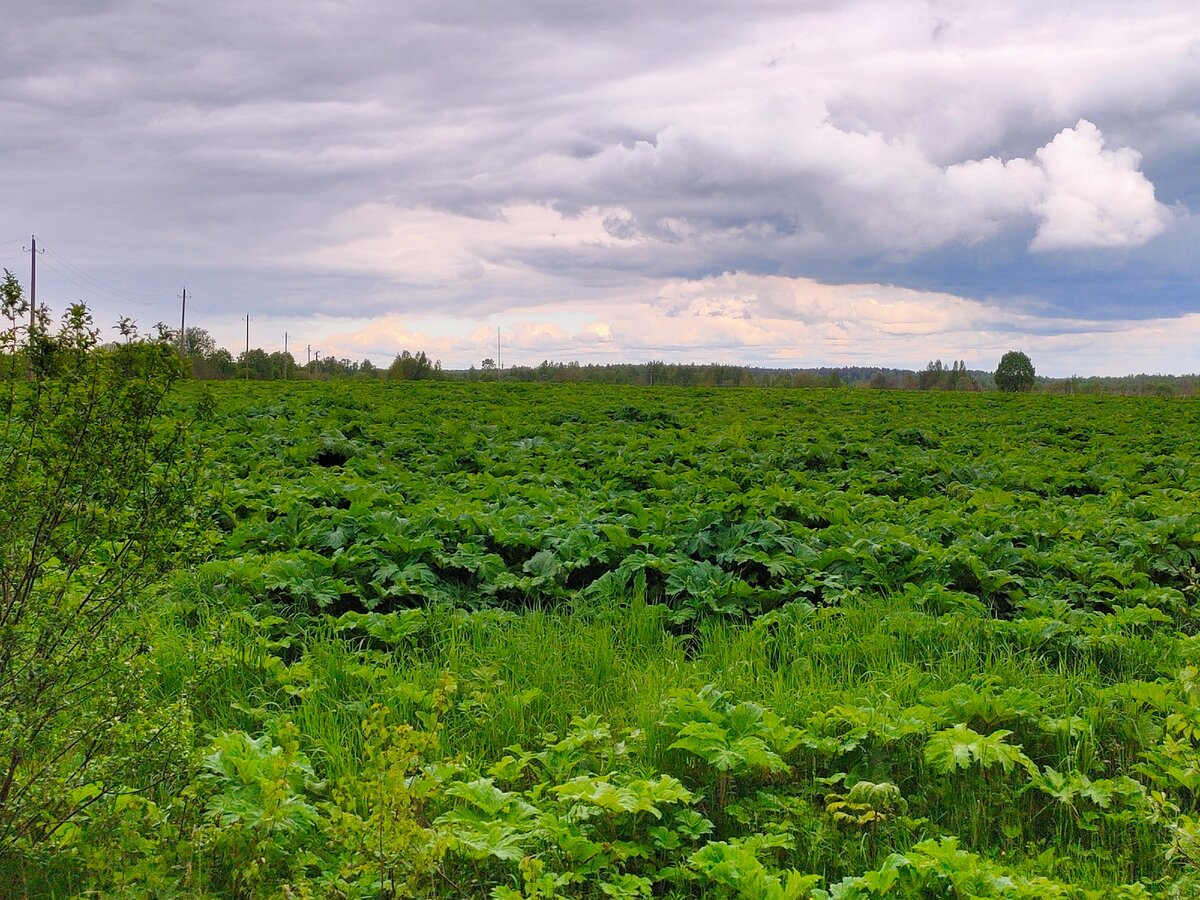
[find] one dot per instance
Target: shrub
(95, 488)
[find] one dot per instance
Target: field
(548, 640)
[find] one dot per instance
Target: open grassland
(550, 640)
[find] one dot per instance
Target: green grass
(521, 676)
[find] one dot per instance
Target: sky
(785, 183)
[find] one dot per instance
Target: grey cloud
(225, 138)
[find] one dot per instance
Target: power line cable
(92, 288)
(204, 309)
(86, 282)
(100, 285)
(109, 295)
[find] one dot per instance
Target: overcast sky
(767, 182)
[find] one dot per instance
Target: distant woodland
(209, 362)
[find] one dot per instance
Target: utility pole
(33, 255)
(182, 323)
(32, 281)
(499, 364)
(32, 250)
(285, 356)
(247, 346)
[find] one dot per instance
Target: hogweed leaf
(959, 747)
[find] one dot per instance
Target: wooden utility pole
(247, 346)
(32, 281)
(33, 255)
(285, 357)
(499, 364)
(32, 250)
(182, 323)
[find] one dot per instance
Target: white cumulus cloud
(1094, 197)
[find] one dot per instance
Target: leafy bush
(95, 492)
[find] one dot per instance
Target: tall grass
(522, 676)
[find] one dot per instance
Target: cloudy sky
(799, 183)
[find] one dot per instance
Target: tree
(198, 343)
(96, 489)
(959, 379)
(257, 364)
(409, 367)
(201, 354)
(933, 376)
(219, 365)
(656, 372)
(12, 295)
(1015, 372)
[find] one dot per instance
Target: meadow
(519, 640)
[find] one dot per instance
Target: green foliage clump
(1015, 372)
(414, 367)
(97, 485)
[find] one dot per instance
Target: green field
(500, 640)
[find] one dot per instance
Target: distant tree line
(651, 373)
(1127, 385)
(205, 360)
(936, 376)
(208, 361)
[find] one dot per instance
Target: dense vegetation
(514, 640)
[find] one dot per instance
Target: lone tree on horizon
(1015, 372)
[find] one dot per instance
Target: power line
(92, 288)
(80, 278)
(95, 280)
(89, 289)
(96, 283)
(204, 309)
(76, 276)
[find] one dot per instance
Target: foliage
(936, 376)
(960, 747)
(551, 640)
(413, 367)
(96, 488)
(257, 808)
(1015, 372)
(255, 364)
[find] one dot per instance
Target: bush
(95, 491)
